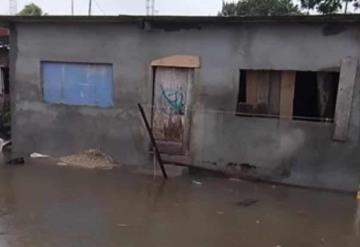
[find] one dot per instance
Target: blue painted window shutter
(77, 83)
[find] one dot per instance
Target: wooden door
(170, 112)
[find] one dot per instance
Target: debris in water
(300, 211)
(273, 186)
(220, 212)
(357, 220)
(91, 158)
(235, 179)
(106, 167)
(62, 164)
(16, 161)
(38, 155)
(197, 182)
(257, 222)
(247, 202)
(122, 225)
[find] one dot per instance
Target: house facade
(275, 98)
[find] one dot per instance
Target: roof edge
(340, 18)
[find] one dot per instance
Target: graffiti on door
(174, 98)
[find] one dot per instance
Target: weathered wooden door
(170, 108)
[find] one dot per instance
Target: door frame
(177, 61)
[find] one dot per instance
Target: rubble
(91, 159)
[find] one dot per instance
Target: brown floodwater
(46, 205)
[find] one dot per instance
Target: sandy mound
(91, 158)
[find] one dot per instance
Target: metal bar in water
(157, 153)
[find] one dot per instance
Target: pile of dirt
(91, 158)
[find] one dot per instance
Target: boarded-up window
(77, 83)
(259, 93)
(288, 94)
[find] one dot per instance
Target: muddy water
(42, 205)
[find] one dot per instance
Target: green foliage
(259, 8)
(31, 9)
(309, 4)
(285, 7)
(356, 4)
(329, 6)
(323, 6)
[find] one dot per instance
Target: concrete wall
(296, 152)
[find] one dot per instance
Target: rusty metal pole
(152, 139)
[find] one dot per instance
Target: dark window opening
(6, 86)
(5, 119)
(242, 87)
(315, 96)
(306, 96)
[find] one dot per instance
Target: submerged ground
(46, 205)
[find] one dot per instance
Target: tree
(259, 8)
(356, 4)
(323, 6)
(31, 9)
(329, 6)
(309, 4)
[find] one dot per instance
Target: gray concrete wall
(296, 152)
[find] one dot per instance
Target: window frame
(96, 104)
(242, 96)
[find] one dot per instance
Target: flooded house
(273, 98)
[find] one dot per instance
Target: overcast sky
(115, 7)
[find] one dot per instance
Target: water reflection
(357, 219)
(46, 205)
(7, 201)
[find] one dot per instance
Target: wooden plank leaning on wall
(345, 98)
(251, 87)
(271, 92)
(287, 90)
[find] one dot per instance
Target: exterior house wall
(295, 152)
